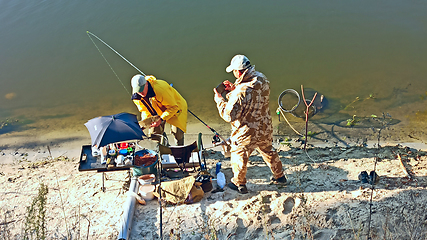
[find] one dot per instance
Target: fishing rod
(216, 136)
(143, 74)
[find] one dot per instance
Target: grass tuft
(35, 220)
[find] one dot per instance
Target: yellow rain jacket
(168, 104)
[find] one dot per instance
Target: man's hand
(141, 125)
(217, 96)
(156, 123)
(229, 86)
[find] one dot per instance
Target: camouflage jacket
(247, 109)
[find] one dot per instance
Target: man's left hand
(217, 96)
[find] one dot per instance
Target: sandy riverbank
(323, 200)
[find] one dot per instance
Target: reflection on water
(364, 57)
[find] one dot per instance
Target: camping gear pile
(115, 147)
(118, 154)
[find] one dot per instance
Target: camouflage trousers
(240, 157)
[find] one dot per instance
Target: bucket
(146, 191)
(206, 181)
(146, 179)
(207, 186)
(143, 169)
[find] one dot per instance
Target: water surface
(54, 79)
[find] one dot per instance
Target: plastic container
(112, 152)
(123, 152)
(120, 160)
(146, 191)
(218, 167)
(128, 162)
(146, 179)
(95, 152)
(150, 169)
(220, 180)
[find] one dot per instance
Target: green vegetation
(371, 96)
(35, 220)
(7, 122)
(286, 142)
(352, 121)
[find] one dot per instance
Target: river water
(365, 57)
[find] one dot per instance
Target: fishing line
(142, 73)
(115, 52)
(280, 111)
(88, 34)
(292, 91)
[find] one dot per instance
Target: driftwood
(404, 167)
(5, 223)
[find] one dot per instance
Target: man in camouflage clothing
(247, 109)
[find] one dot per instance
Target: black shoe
(241, 188)
(281, 180)
(363, 177)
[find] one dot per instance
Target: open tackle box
(116, 157)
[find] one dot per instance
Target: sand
(323, 198)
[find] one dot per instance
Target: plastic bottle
(103, 152)
(103, 159)
(95, 151)
(218, 168)
(220, 180)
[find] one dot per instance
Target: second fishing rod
(217, 137)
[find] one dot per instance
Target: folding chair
(181, 154)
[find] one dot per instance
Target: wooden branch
(5, 223)
(404, 167)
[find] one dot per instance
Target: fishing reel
(216, 139)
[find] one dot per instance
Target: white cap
(138, 82)
(238, 62)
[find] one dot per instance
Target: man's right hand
(156, 123)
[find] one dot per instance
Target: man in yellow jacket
(155, 97)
